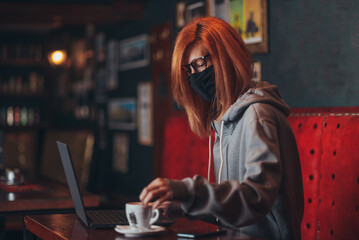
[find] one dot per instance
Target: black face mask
(204, 84)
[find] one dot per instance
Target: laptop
(91, 218)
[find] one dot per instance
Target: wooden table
(69, 226)
(54, 198)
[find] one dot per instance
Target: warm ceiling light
(58, 57)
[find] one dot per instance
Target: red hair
(232, 66)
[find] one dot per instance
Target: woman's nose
(193, 70)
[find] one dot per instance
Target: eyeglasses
(198, 64)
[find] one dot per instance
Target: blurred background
(96, 75)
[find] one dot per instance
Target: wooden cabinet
(24, 98)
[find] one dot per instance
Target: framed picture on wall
(181, 14)
(120, 152)
(134, 52)
(122, 113)
(145, 113)
(112, 60)
(248, 17)
(218, 8)
(195, 10)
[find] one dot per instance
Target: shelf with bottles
(30, 84)
(21, 116)
(15, 53)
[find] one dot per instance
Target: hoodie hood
(261, 92)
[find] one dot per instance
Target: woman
(258, 188)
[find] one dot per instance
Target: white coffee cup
(140, 216)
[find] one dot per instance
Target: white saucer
(136, 232)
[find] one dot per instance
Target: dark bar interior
(97, 75)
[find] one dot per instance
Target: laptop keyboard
(113, 217)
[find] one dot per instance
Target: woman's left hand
(158, 190)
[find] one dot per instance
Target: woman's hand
(158, 190)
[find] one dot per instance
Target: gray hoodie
(259, 187)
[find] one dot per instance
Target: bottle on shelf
(23, 116)
(10, 116)
(17, 116)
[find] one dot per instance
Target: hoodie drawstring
(210, 155)
(221, 152)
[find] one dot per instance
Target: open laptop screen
(72, 181)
